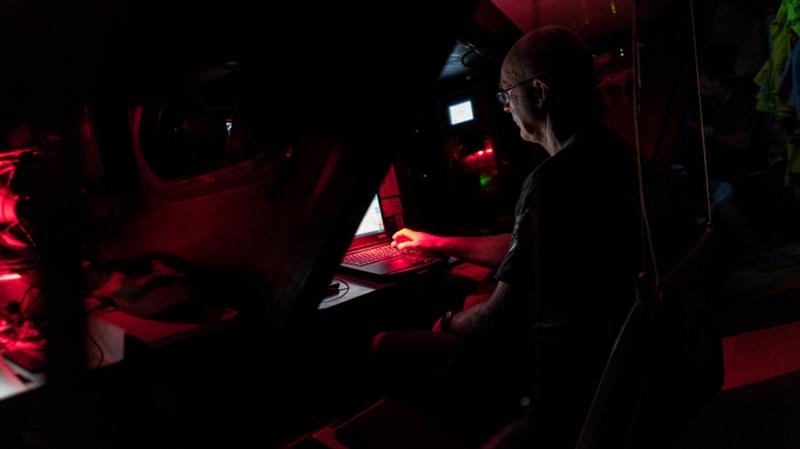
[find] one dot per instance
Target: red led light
(480, 153)
(489, 150)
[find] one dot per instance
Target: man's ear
(540, 93)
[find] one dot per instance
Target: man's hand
(407, 239)
(486, 251)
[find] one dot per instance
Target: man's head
(548, 75)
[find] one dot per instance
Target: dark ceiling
(508, 19)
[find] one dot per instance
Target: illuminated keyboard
(371, 255)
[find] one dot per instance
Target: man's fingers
(401, 233)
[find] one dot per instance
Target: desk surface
(107, 330)
(353, 287)
(11, 379)
(160, 332)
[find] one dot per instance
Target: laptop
(371, 253)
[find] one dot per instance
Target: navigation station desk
(414, 302)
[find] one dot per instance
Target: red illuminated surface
(9, 277)
(8, 206)
(484, 156)
(762, 354)
(590, 18)
(155, 332)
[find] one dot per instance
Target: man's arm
(481, 320)
(487, 251)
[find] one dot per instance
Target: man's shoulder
(608, 138)
(608, 150)
(535, 176)
(599, 154)
(596, 149)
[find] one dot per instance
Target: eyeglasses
(504, 95)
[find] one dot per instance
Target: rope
(640, 177)
(700, 109)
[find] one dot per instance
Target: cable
(341, 292)
(99, 349)
(700, 110)
(25, 308)
(638, 146)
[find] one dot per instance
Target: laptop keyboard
(371, 255)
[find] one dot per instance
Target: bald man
(566, 275)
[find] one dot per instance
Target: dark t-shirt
(574, 252)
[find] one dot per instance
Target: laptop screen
(372, 223)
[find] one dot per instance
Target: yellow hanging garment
(783, 32)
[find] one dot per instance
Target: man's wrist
(438, 244)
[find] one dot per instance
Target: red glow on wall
(762, 354)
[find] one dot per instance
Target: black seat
(665, 363)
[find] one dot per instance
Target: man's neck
(554, 139)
